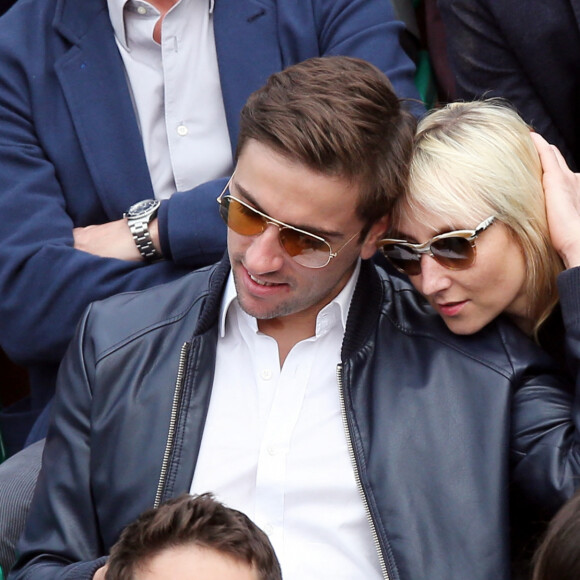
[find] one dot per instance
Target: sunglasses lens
(306, 250)
(403, 258)
(240, 218)
(303, 248)
(454, 252)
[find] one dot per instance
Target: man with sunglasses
(121, 114)
(117, 117)
(299, 382)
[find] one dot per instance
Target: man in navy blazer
(72, 156)
(527, 52)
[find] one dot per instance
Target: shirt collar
(340, 302)
(117, 16)
(343, 300)
(228, 298)
(116, 8)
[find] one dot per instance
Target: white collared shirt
(176, 91)
(274, 444)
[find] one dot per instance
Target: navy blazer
(71, 153)
(527, 52)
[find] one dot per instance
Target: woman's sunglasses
(453, 250)
(305, 248)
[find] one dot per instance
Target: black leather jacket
(440, 427)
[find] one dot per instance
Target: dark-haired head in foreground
(197, 536)
(558, 556)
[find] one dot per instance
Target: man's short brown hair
(338, 116)
(200, 521)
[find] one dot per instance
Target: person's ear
(376, 233)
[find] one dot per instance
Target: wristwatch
(139, 215)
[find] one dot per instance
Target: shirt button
(182, 130)
(142, 10)
(269, 529)
(266, 374)
(271, 450)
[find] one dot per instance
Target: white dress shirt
(274, 445)
(176, 91)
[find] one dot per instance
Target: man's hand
(112, 240)
(100, 573)
(562, 193)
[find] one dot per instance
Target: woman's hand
(562, 193)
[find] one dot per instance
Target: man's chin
(262, 313)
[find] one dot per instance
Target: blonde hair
(476, 159)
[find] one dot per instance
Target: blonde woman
(473, 233)
(479, 238)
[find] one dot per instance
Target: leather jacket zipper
(172, 423)
(353, 460)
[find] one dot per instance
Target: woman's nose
(433, 277)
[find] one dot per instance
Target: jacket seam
(146, 330)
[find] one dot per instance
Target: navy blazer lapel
(248, 51)
(93, 80)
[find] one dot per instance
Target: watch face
(142, 208)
